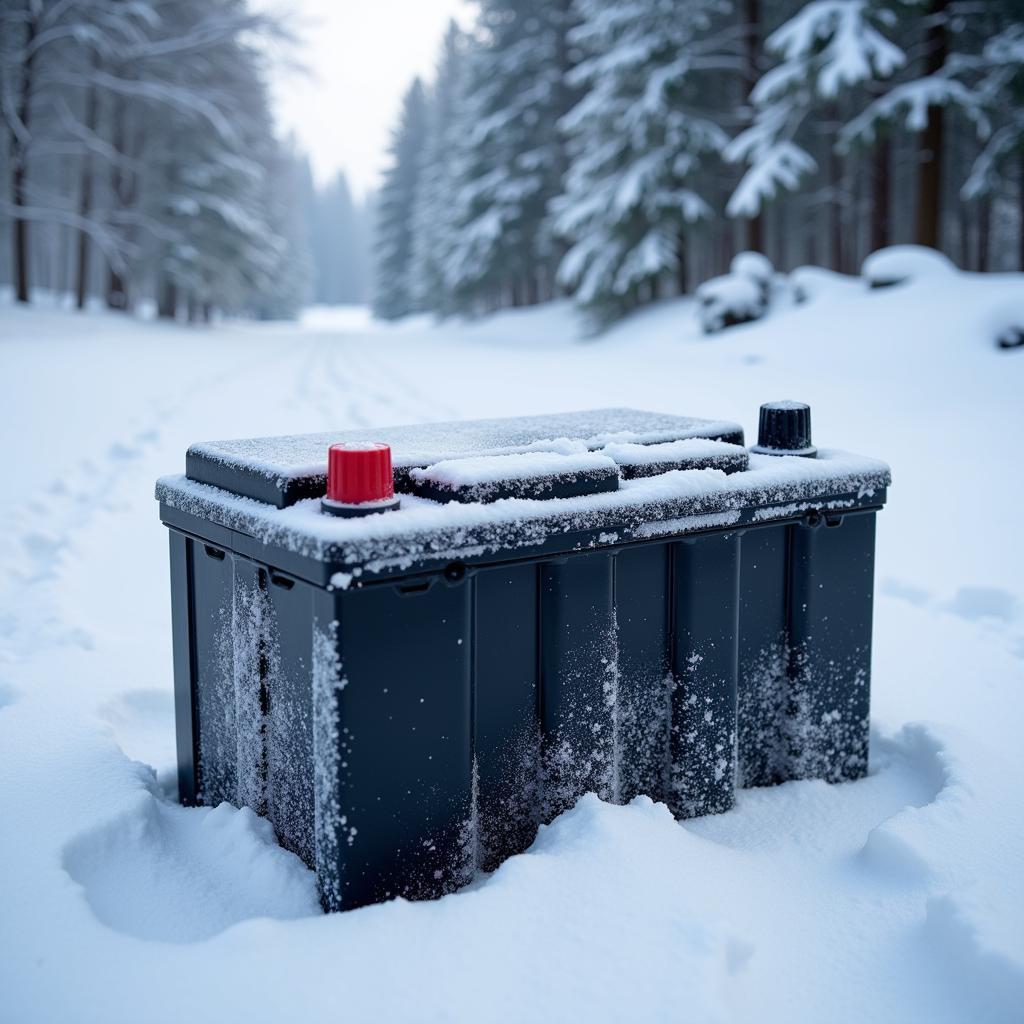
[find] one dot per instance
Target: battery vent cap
(785, 429)
(360, 480)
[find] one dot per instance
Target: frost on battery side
(703, 742)
(644, 724)
(232, 764)
(250, 661)
(289, 749)
(581, 754)
(331, 746)
(218, 744)
(826, 724)
(507, 811)
(801, 718)
(763, 756)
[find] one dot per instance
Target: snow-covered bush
(809, 283)
(756, 266)
(739, 296)
(899, 263)
(729, 300)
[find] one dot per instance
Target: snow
(421, 528)
(899, 263)
(495, 468)
(898, 897)
(731, 296)
(754, 265)
(687, 452)
(300, 457)
(808, 283)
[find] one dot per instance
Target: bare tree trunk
(85, 206)
(167, 305)
(811, 230)
(835, 206)
(880, 214)
(124, 186)
(681, 263)
(929, 180)
(1020, 214)
(752, 15)
(964, 225)
(984, 232)
(116, 298)
(18, 148)
(777, 236)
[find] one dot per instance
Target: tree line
(139, 162)
(621, 150)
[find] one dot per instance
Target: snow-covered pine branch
(395, 294)
(509, 157)
(827, 49)
(638, 138)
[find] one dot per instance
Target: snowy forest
(614, 151)
(624, 150)
(139, 163)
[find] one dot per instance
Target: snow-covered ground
(898, 898)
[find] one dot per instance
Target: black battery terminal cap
(784, 428)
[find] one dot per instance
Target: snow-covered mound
(754, 265)
(809, 284)
(896, 898)
(729, 300)
(899, 263)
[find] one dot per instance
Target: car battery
(409, 647)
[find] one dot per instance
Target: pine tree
(394, 290)
(937, 80)
(339, 271)
(291, 282)
(828, 49)
(1001, 92)
(512, 159)
(638, 138)
(219, 243)
(434, 216)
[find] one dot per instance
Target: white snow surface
(486, 469)
(896, 898)
(899, 263)
(735, 292)
(670, 451)
(754, 265)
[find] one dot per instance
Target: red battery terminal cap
(359, 479)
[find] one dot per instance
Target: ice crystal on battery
(331, 745)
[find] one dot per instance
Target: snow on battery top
(651, 502)
(283, 470)
(483, 469)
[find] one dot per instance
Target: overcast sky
(361, 55)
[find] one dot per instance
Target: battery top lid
(283, 470)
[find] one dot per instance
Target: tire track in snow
(384, 383)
